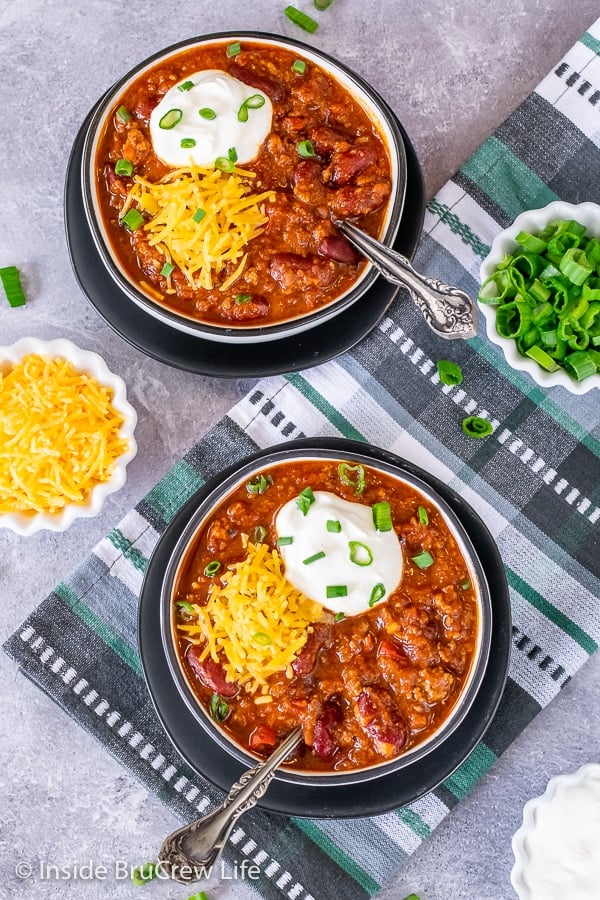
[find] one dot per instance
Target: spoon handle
(448, 311)
(189, 853)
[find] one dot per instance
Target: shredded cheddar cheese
(59, 435)
(255, 622)
(201, 245)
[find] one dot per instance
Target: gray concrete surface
(452, 71)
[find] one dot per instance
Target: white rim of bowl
(90, 362)
(371, 103)
(587, 214)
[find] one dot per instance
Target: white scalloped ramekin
(524, 844)
(92, 364)
(534, 220)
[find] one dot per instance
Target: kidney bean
(307, 182)
(290, 270)
(392, 651)
(359, 200)
(324, 744)
(116, 185)
(263, 739)
(210, 673)
(380, 721)
(273, 89)
(144, 106)
(307, 658)
(347, 164)
(336, 247)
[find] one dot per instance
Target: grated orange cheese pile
(59, 435)
(255, 620)
(201, 249)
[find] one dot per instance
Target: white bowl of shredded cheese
(66, 434)
(556, 849)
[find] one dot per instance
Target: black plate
(194, 354)
(370, 798)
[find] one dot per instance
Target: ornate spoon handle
(188, 853)
(447, 310)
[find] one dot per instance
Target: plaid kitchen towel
(534, 481)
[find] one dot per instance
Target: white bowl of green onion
(540, 295)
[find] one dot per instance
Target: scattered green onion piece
(202, 895)
(476, 427)
(212, 568)
(167, 269)
(261, 638)
(143, 874)
(305, 500)
(313, 558)
(299, 66)
(259, 484)
(423, 515)
(423, 560)
(234, 49)
(449, 372)
(11, 282)
(123, 167)
(207, 113)
(199, 215)
(123, 114)
(346, 473)
(284, 541)
(530, 242)
(232, 154)
(224, 164)
(466, 584)
(580, 365)
(185, 86)
(240, 299)
(410, 897)
(360, 554)
(300, 18)
(255, 101)
(322, 4)
(336, 590)
(132, 219)
(382, 516)
(339, 616)
(170, 119)
(513, 319)
(219, 708)
(542, 358)
(575, 266)
(186, 607)
(242, 113)
(334, 526)
(258, 534)
(187, 143)
(305, 149)
(377, 594)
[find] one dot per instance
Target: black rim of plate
(366, 798)
(222, 360)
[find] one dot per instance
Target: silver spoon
(188, 854)
(448, 311)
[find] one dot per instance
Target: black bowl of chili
(379, 673)
(236, 244)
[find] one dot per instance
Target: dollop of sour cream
(199, 119)
(350, 553)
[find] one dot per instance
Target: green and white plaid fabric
(534, 481)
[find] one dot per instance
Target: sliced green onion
(167, 269)
(476, 427)
(306, 149)
(218, 708)
(305, 500)
(234, 49)
(360, 554)
(232, 154)
(259, 484)
(575, 266)
(449, 372)
(530, 242)
(334, 526)
(123, 167)
(313, 558)
(382, 516)
(185, 86)
(580, 365)
(336, 590)
(284, 541)
(377, 594)
(542, 358)
(423, 515)
(410, 897)
(300, 18)
(322, 4)
(339, 616)
(423, 560)
(199, 215)
(258, 534)
(202, 895)
(170, 119)
(207, 113)
(240, 299)
(353, 476)
(212, 568)
(224, 164)
(187, 143)
(242, 113)
(143, 874)
(184, 606)
(299, 66)
(466, 584)
(11, 282)
(261, 638)
(123, 114)
(255, 101)
(132, 219)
